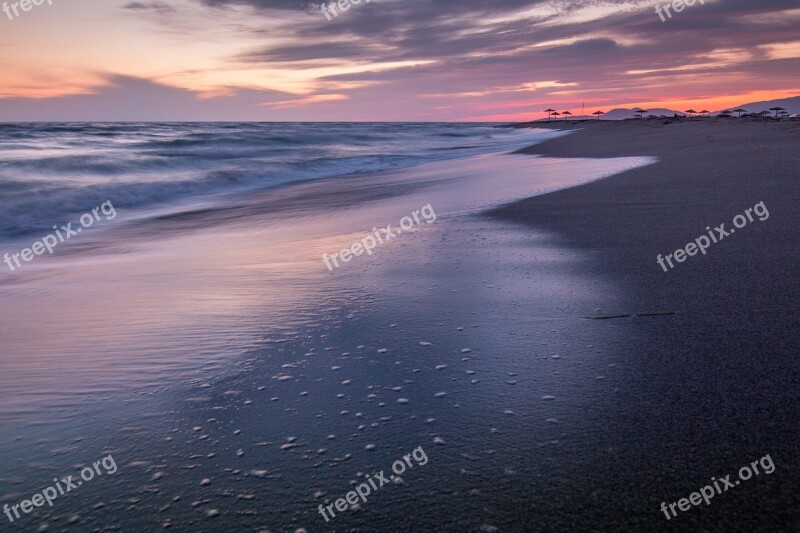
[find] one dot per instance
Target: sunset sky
(426, 60)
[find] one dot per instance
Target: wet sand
(239, 385)
(713, 386)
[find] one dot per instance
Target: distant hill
(622, 113)
(792, 105)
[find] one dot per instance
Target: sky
(389, 60)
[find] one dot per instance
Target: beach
(400, 267)
(526, 339)
(714, 384)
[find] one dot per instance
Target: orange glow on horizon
(713, 104)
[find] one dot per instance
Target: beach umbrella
(705, 112)
(691, 112)
(726, 113)
(640, 111)
(556, 114)
(776, 109)
(565, 113)
(598, 113)
(549, 113)
(740, 111)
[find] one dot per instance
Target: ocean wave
(51, 171)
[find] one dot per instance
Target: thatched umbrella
(556, 114)
(705, 112)
(776, 109)
(640, 111)
(598, 113)
(740, 111)
(691, 112)
(565, 113)
(549, 113)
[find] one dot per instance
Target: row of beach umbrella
(779, 112)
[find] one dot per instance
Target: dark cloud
(444, 29)
(159, 7)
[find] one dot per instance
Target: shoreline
(468, 337)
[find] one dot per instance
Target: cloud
(447, 59)
(159, 7)
(126, 98)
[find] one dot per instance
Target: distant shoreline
(557, 123)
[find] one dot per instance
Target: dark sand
(716, 385)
